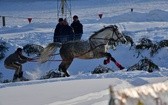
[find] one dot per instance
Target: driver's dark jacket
(15, 57)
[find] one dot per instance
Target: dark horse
(96, 47)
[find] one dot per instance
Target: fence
(154, 94)
(16, 20)
(12, 19)
(3, 20)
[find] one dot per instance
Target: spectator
(64, 32)
(67, 32)
(57, 31)
(77, 27)
(15, 61)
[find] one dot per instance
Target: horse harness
(111, 39)
(92, 46)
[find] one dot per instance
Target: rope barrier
(20, 17)
(35, 58)
(25, 17)
(30, 18)
(47, 60)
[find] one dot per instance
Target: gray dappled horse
(96, 47)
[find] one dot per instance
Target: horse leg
(109, 57)
(64, 66)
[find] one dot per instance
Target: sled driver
(15, 61)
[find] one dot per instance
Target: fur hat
(60, 19)
(75, 17)
(19, 50)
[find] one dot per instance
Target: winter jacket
(57, 31)
(15, 57)
(66, 31)
(63, 33)
(77, 27)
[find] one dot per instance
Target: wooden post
(3, 20)
(112, 100)
(0, 16)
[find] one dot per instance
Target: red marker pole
(29, 20)
(100, 15)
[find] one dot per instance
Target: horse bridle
(111, 39)
(114, 31)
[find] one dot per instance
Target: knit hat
(75, 17)
(60, 19)
(19, 50)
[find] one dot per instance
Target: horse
(95, 47)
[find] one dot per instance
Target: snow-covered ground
(148, 20)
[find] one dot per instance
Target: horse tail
(48, 51)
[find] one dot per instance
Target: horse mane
(95, 33)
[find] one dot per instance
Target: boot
(15, 77)
(21, 77)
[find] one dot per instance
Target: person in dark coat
(15, 61)
(63, 32)
(77, 27)
(57, 31)
(67, 32)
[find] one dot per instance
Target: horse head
(108, 35)
(117, 36)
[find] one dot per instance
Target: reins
(91, 49)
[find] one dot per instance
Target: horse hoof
(121, 68)
(67, 75)
(104, 62)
